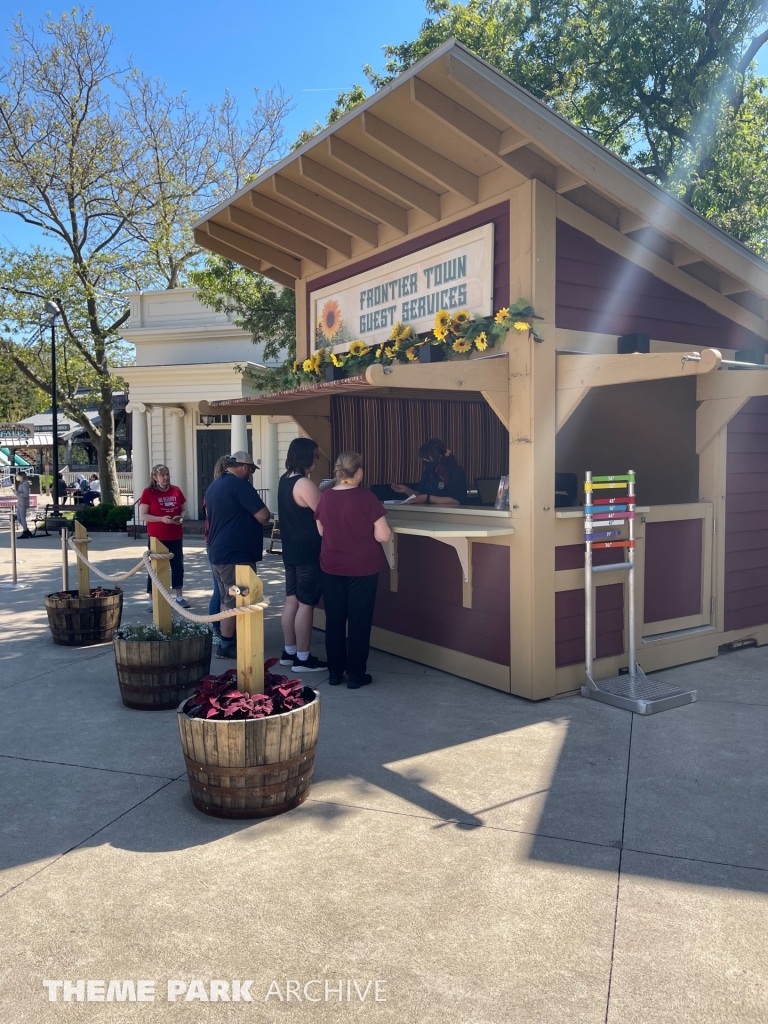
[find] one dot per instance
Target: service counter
(445, 600)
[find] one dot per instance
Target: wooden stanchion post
(250, 631)
(161, 610)
(83, 578)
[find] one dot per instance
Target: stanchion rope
(146, 563)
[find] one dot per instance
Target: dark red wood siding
(673, 569)
(496, 215)
(569, 623)
(598, 290)
(746, 518)
(428, 602)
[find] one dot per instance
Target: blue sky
(313, 49)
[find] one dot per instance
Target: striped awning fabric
(350, 385)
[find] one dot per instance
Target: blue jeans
(214, 605)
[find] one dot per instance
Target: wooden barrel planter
(156, 675)
(252, 768)
(81, 621)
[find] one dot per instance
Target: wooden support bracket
(81, 543)
(250, 631)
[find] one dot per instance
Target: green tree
(111, 170)
(670, 85)
(19, 397)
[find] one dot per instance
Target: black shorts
(304, 582)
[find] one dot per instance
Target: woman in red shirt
(353, 525)
(162, 506)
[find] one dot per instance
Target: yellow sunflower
(404, 333)
(389, 352)
(379, 350)
(295, 365)
(411, 353)
(481, 341)
(330, 319)
(462, 345)
(357, 348)
(462, 317)
(443, 320)
(308, 366)
(440, 334)
(502, 315)
(336, 360)
(521, 325)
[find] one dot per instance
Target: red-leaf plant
(218, 697)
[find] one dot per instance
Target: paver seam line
(536, 835)
(618, 872)
(736, 703)
(91, 767)
(464, 824)
(61, 856)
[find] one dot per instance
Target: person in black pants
(297, 499)
(353, 525)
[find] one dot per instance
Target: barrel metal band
(223, 771)
(249, 791)
(249, 812)
(154, 669)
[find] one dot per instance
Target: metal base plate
(639, 694)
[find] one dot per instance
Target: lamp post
(53, 310)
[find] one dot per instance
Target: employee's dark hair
(301, 454)
(439, 455)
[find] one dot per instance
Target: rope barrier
(73, 544)
(228, 613)
(146, 563)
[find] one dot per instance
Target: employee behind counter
(443, 481)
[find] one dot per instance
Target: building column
(270, 471)
(178, 448)
(140, 446)
(239, 435)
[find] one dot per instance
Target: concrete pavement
(485, 859)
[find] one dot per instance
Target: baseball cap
(241, 458)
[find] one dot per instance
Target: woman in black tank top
(297, 498)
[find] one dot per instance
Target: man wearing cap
(235, 516)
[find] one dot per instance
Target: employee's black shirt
(454, 487)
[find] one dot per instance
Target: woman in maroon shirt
(353, 525)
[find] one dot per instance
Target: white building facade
(185, 354)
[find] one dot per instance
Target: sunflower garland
(459, 335)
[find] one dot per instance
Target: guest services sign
(454, 274)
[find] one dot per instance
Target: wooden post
(532, 383)
(81, 543)
(250, 632)
(161, 610)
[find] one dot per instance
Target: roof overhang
(436, 142)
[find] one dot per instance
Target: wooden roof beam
(360, 227)
(422, 157)
(629, 222)
(682, 257)
(457, 116)
(206, 241)
(281, 237)
(257, 250)
(371, 202)
(277, 275)
(567, 181)
(381, 174)
(305, 225)
(730, 286)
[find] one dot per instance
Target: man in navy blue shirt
(235, 537)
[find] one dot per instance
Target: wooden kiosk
(645, 307)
